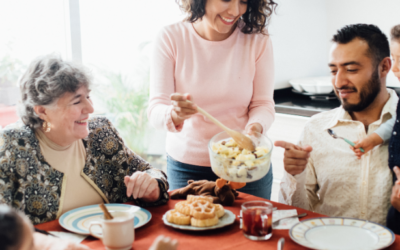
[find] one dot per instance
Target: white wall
(383, 13)
(301, 32)
(298, 33)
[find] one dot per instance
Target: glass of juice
(257, 220)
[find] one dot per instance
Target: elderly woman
(58, 158)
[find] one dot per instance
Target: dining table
(226, 238)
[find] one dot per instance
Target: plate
(341, 233)
(313, 94)
(225, 220)
(78, 220)
(315, 85)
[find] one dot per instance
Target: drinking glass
(257, 220)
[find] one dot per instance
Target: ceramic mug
(118, 233)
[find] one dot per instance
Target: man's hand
(254, 127)
(395, 198)
(182, 109)
(295, 158)
(142, 185)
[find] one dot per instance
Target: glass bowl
(248, 170)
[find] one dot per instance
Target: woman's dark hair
(377, 41)
(395, 33)
(255, 19)
(11, 228)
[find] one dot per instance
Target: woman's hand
(254, 127)
(395, 197)
(182, 109)
(142, 185)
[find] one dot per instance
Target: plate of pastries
(198, 213)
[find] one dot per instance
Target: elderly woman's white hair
(47, 79)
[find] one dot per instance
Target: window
(28, 29)
(112, 38)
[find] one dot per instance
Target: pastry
(219, 210)
(198, 211)
(205, 222)
(183, 207)
(202, 209)
(175, 217)
(191, 198)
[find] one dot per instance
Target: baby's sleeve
(385, 129)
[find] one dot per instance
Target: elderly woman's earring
(46, 126)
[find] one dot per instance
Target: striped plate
(341, 233)
(78, 220)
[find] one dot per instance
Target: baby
(384, 132)
(18, 233)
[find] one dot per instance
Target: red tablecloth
(227, 238)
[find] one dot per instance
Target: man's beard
(367, 95)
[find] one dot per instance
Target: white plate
(341, 233)
(225, 220)
(78, 220)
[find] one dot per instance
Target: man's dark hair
(377, 41)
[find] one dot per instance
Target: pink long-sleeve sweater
(232, 79)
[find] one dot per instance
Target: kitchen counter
(290, 103)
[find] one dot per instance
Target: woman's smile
(82, 122)
(227, 21)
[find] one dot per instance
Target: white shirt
(335, 182)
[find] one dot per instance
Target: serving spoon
(330, 131)
(242, 140)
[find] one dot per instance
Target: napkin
(284, 223)
(76, 238)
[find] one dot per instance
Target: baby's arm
(385, 129)
(380, 135)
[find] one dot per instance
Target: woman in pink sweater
(220, 58)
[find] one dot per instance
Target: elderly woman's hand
(182, 109)
(142, 185)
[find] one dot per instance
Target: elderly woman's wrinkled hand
(295, 158)
(142, 186)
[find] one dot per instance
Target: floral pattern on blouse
(30, 184)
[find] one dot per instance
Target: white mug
(118, 233)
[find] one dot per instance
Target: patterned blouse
(30, 184)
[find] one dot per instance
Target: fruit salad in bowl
(233, 163)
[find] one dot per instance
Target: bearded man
(323, 174)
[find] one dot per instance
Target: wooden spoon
(242, 140)
(107, 214)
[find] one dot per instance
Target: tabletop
(229, 237)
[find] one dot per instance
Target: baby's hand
(164, 243)
(367, 144)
